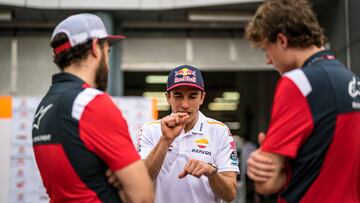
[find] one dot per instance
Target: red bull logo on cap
(185, 75)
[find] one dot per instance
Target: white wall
(35, 65)
(4, 66)
(149, 54)
(5, 128)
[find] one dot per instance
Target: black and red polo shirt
(315, 123)
(78, 133)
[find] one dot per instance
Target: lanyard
(319, 58)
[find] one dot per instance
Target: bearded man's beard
(101, 77)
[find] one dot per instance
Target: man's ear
(167, 94)
(95, 49)
(203, 94)
(282, 40)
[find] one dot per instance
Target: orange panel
(5, 107)
(154, 109)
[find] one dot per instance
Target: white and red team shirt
(78, 133)
(209, 141)
(315, 123)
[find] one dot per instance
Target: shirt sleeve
(226, 157)
(291, 120)
(145, 143)
(104, 131)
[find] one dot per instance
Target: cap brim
(185, 84)
(112, 39)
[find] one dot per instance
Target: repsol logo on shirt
(199, 151)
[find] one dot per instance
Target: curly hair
(73, 55)
(293, 18)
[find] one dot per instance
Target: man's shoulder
(152, 125)
(214, 123)
(155, 123)
(215, 126)
(99, 101)
(81, 93)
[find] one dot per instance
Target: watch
(214, 166)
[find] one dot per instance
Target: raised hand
(172, 125)
(197, 168)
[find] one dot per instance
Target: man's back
(74, 146)
(322, 131)
(336, 112)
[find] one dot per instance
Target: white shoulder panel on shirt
(301, 81)
(83, 99)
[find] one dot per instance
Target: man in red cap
(78, 132)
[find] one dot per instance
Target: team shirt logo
(202, 143)
(354, 92)
(234, 159)
(138, 144)
(232, 145)
(40, 114)
(354, 88)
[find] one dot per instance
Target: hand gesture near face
(172, 125)
(197, 168)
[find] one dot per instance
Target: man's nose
(185, 104)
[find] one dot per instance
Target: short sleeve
(291, 120)
(104, 131)
(145, 143)
(226, 157)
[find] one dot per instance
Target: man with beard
(78, 132)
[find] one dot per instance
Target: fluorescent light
(156, 79)
(224, 100)
(154, 94)
(161, 103)
(219, 17)
(225, 106)
(231, 95)
(5, 15)
(163, 107)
